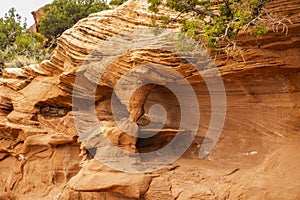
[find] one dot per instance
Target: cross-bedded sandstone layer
(256, 157)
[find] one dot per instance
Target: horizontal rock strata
(43, 154)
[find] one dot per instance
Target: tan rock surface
(256, 157)
(37, 16)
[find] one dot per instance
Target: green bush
(61, 15)
(217, 22)
(22, 61)
(18, 47)
(31, 45)
(10, 28)
(26, 44)
(117, 2)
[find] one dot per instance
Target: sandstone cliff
(37, 16)
(42, 155)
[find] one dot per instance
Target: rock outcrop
(37, 16)
(44, 155)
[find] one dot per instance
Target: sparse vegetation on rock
(217, 23)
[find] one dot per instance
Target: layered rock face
(50, 147)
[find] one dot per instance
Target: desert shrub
(22, 61)
(218, 23)
(10, 28)
(117, 2)
(30, 45)
(61, 15)
(18, 46)
(26, 44)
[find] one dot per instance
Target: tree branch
(197, 10)
(228, 9)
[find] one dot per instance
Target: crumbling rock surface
(43, 155)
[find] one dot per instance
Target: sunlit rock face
(43, 154)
